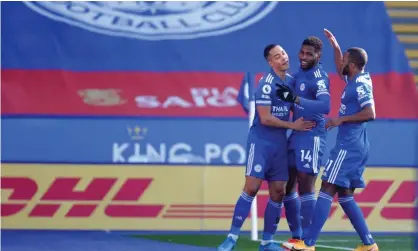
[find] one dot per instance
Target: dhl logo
(123, 204)
(391, 200)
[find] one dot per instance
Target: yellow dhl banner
(126, 197)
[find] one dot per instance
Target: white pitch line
(331, 247)
(343, 241)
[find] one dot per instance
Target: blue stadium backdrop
(115, 113)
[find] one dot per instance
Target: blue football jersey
(311, 85)
(357, 95)
(265, 95)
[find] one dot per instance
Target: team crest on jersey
(156, 20)
(302, 87)
(258, 168)
(343, 108)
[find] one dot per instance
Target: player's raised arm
(361, 88)
(263, 105)
(338, 55)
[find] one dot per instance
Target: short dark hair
(358, 57)
(315, 42)
(267, 50)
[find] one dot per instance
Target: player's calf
(321, 212)
(241, 211)
(272, 213)
(243, 205)
(354, 213)
(306, 183)
(292, 207)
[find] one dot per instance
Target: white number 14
(305, 157)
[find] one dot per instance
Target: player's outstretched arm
(338, 55)
(368, 113)
(322, 104)
(267, 119)
(366, 103)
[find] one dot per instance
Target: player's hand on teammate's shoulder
(301, 125)
(285, 93)
(331, 38)
(333, 123)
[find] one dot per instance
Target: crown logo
(136, 132)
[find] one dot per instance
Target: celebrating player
(344, 169)
(267, 151)
(311, 100)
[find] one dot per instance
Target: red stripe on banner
(198, 216)
(200, 206)
(169, 211)
(395, 95)
(195, 94)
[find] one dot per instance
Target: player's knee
(291, 187)
(277, 195)
(251, 190)
(252, 185)
(277, 191)
(292, 182)
(306, 183)
(328, 188)
(345, 192)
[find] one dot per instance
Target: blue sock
(322, 210)
(242, 209)
(307, 208)
(292, 207)
(271, 219)
(356, 217)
